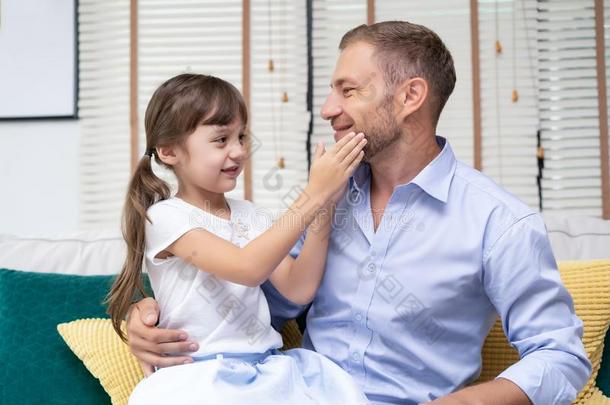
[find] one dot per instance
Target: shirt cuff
(280, 307)
(544, 385)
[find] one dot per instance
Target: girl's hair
(175, 110)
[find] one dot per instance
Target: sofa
(51, 280)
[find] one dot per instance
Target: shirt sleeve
(280, 307)
(167, 224)
(537, 312)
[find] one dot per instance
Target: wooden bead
(498, 47)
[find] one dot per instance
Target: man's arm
(522, 281)
(498, 392)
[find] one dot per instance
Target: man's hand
(151, 344)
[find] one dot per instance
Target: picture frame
(39, 53)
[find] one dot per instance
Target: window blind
(568, 106)
(330, 21)
(509, 128)
(104, 111)
(280, 119)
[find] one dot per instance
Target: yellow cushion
(589, 284)
(597, 398)
(105, 355)
(291, 335)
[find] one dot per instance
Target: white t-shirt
(223, 317)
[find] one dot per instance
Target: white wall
(39, 176)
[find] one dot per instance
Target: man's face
(358, 101)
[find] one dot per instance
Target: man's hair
(404, 50)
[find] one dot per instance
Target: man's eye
(347, 91)
(221, 140)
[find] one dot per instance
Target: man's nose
(331, 108)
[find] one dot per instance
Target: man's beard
(382, 132)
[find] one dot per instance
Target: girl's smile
(232, 171)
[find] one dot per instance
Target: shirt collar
(435, 179)
(361, 175)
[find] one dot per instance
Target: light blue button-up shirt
(406, 309)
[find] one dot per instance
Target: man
(425, 251)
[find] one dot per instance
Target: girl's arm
(254, 263)
(298, 279)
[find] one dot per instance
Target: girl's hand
(331, 169)
(335, 198)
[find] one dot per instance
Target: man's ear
(167, 154)
(411, 95)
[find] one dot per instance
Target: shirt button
(355, 356)
(358, 317)
(371, 267)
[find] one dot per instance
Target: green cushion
(36, 365)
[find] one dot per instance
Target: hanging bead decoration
(497, 29)
(515, 94)
(498, 47)
(271, 69)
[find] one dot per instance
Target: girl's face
(214, 157)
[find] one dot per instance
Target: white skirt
(294, 377)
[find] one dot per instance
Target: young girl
(207, 255)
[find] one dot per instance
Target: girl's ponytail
(145, 189)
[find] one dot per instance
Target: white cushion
(94, 252)
(578, 237)
(85, 253)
